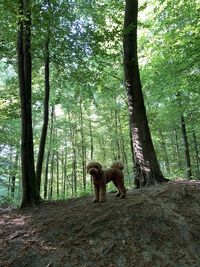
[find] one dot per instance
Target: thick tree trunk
(146, 164)
(29, 194)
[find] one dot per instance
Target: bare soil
(158, 226)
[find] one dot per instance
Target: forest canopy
(88, 107)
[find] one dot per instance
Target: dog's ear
(99, 166)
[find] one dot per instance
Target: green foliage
(90, 120)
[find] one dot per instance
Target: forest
(63, 85)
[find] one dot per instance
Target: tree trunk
(29, 193)
(163, 143)
(14, 173)
(196, 148)
(57, 175)
(146, 164)
(48, 154)
(196, 152)
(74, 161)
(45, 119)
(91, 141)
(83, 146)
(52, 176)
(117, 143)
(186, 148)
(124, 156)
(177, 150)
(46, 173)
(64, 168)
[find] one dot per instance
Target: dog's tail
(117, 165)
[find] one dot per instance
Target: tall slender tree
(147, 170)
(46, 105)
(29, 192)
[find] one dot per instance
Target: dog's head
(118, 165)
(94, 168)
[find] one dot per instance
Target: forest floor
(154, 226)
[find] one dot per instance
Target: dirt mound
(155, 226)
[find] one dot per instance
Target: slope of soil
(155, 226)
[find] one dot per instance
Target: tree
(46, 109)
(146, 164)
(29, 194)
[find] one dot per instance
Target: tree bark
(163, 143)
(146, 164)
(177, 150)
(186, 148)
(45, 119)
(83, 146)
(29, 192)
(196, 152)
(57, 175)
(124, 156)
(48, 154)
(14, 173)
(91, 141)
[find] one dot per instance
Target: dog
(118, 165)
(102, 177)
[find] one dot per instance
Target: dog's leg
(102, 197)
(122, 190)
(96, 191)
(118, 193)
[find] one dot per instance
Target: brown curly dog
(102, 177)
(118, 165)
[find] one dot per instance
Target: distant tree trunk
(196, 148)
(83, 147)
(163, 143)
(186, 148)
(91, 141)
(103, 149)
(57, 173)
(74, 161)
(48, 154)
(29, 193)
(52, 176)
(46, 173)
(196, 151)
(10, 171)
(117, 143)
(45, 119)
(124, 156)
(146, 164)
(64, 167)
(14, 173)
(177, 149)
